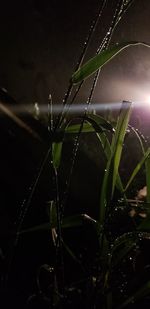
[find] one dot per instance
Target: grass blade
(111, 173)
(56, 154)
(142, 292)
(87, 128)
(138, 167)
(92, 123)
(117, 144)
(100, 60)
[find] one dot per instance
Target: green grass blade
(107, 150)
(98, 121)
(117, 144)
(143, 143)
(139, 138)
(105, 144)
(139, 294)
(87, 128)
(137, 168)
(68, 222)
(111, 173)
(56, 154)
(91, 123)
(100, 60)
(105, 191)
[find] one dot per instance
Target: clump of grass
(112, 250)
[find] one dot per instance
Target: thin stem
(117, 16)
(84, 50)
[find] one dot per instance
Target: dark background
(40, 42)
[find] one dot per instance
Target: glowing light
(148, 100)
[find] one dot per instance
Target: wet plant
(105, 281)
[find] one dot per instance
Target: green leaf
(107, 150)
(91, 123)
(100, 60)
(105, 144)
(68, 222)
(56, 154)
(137, 168)
(99, 122)
(117, 143)
(143, 143)
(87, 128)
(139, 138)
(111, 172)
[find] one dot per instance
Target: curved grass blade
(117, 143)
(101, 59)
(107, 150)
(92, 123)
(137, 168)
(68, 222)
(139, 138)
(98, 121)
(98, 124)
(105, 144)
(111, 172)
(139, 294)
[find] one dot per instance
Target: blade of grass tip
(137, 168)
(101, 59)
(143, 144)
